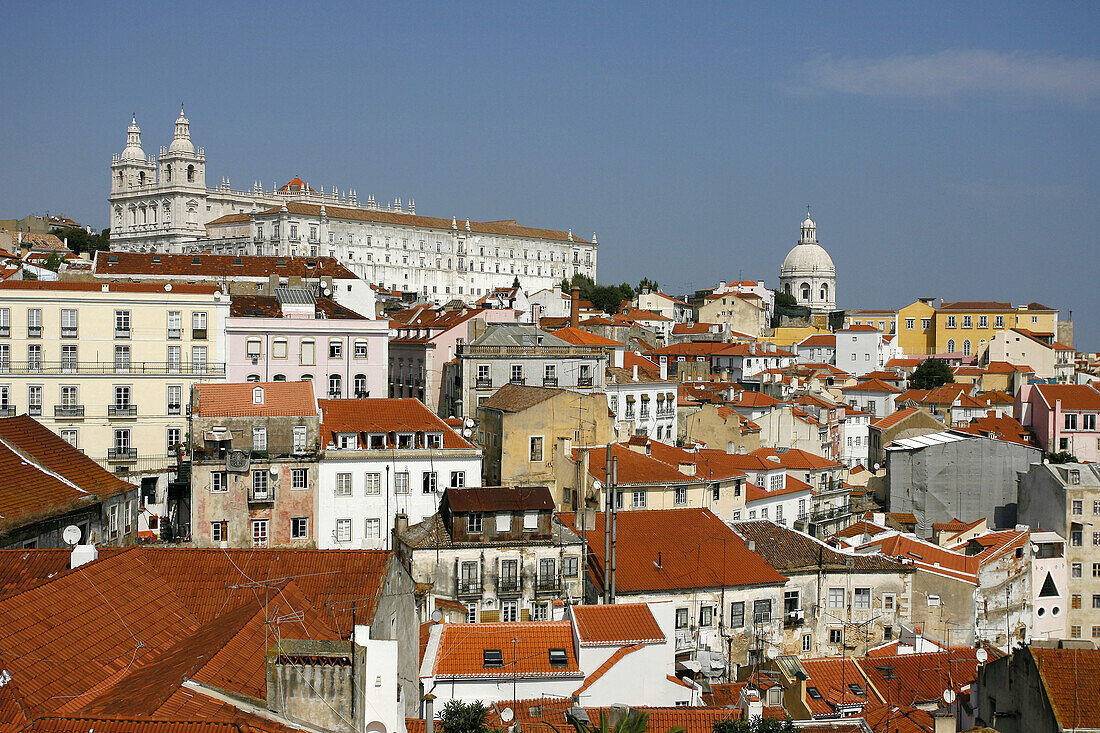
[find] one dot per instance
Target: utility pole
(608, 499)
(614, 521)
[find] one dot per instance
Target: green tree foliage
(53, 262)
(1062, 457)
(607, 298)
(460, 717)
(647, 284)
(785, 300)
(81, 241)
(930, 374)
(754, 725)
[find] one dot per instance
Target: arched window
(335, 385)
(118, 216)
(966, 347)
(141, 178)
(120, 179)
(825, 292)
(168, 173)
(360, 386)
(192, 212)
(279, 378)
(167, 212)
(253, 378)
(190, 174)
(133, 215)
(951, 346)
(787, 288)
(258, 396)
(306, 378)
(806, 292)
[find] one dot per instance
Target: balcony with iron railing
(122, 333)
(836, 512)
(7, 411)
(509, 585)
(199, 334)
(122, 410)
(175, 333)
(483, 383)
(5, 331)
(153, 368)
(68, 332)
(517, 380)
(34, 332)
(466, 586)
(549, 381)
(548, 584)
(584, 381)
(122, 454)
(70, 411)
(264, 495)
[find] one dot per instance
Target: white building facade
(808, 272)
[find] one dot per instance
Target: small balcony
(584, 381)
(199, 334)
(549, 381)
(70, 411)
(794, 618)
(121, 410)
(122, 333)
(517, 380)
(68, 332)
(546, 584)
(483, 383)
(34, 410)
(265, 495)
(175, 333)
(122, 454)
(5, 331)
(468, 586)
(509, 585)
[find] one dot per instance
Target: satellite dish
(876, 466)
(506, 715)
(467, 432)
(949, 696)
(71, 535)
(274, 470)
(596, 484)
(982, 656)
(469, 422)
(437, 616)
(327, 292)
(168, 287)
(217, 295)
(771, 652)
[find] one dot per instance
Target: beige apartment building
(109, 366)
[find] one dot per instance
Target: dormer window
(1074, 476)
(473, 523)
(347, 441)
(377, 441)
(558, 658)
(493, 658)
(405, 440)
(433, 440)
(258, 396)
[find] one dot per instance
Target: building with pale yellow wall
(109, 366)
(916, 328)
(785, 337)
(965, 327)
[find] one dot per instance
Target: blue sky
(946, 151)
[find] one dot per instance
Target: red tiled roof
(46, 476)
(633, 468)
(894, 418)
(580, 337)
(714, 556)
(1073, 396)
(238, 399)
(976, 305)
(1066, 673)
(461, 653)
(267, 306)
(832, 677)
(795, 458)
(791, 486)
(627, 623)
(921, 678)
(872, 385)
(505, 228)
(819, 339)
(384, 415)
(219, 266)
(85, 723)
(858, 327)
(928, 557)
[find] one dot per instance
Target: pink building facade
(343, 353)
(1064, 417)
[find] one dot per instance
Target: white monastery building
(162, 204)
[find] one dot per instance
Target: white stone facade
(161, 203)
(808, 273)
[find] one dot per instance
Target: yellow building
(885, 321)
(916, 328)
(967, 327)
(109, 366)
(785, 337)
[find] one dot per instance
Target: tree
(460, 717)
(785, 300)
(647, 284)
(930, 374)
(81, 241)
(53, 262)
(515, 282)
(754, 725)
(1062, 457)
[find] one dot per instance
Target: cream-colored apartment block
(109, 366)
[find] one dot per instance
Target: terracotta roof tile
(1063, 672)
(1073, 396)
(795, 458)
(267, 306)
(831, 677)
(519, 397)
(920, 679)
(238, 399)
(112, 287)
(45, 476)
(715, 556)
(122, 264)
(462, 653)
(627, 623)
(580, 337)
(384, 415)
(787, 550)
(872, 385)
(976, 305)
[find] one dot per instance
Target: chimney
(82, 555)
(272, 283)
(429, 713)
(635, 372)
(617, 357)
(751, 544)
(401, 523)
(731, 447)
(688, 469)
(663, 360)
(943, 721)
(575, 307)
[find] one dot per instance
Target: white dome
(181, 142)
(808, 223)
(133, 150)
(808, 259)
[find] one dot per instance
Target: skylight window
(493, 658)
(558, 658)
(814, 693)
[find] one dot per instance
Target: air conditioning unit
(238, 461)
